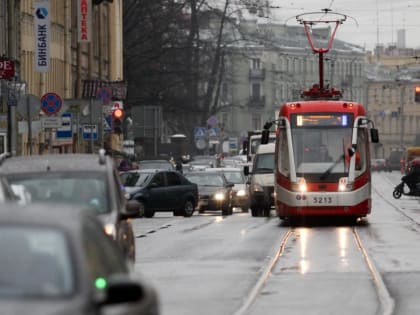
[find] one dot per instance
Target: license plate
(321, 200)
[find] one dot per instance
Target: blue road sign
(89, 131)
(108, 123)
(51, 103)
(213, 132)
(66, 129)
(104, 94)
(199, 132)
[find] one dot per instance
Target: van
(261, 180)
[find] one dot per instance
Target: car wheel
(149, 213)
(188, 208)
(141, 208)
(227, 209)
(255, 212)
(266, 211)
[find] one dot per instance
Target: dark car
(56, 259)
(240, 195)
(214, 190)
(87, 180)
(161, 191)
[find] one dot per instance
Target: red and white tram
(322, 158)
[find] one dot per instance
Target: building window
(256, 90)
(256, 121)
(256, 63)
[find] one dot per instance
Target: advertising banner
(42, 35)
(84, 20)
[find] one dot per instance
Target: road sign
(212, 121)
(104, 94)
(107, 123)
(7, 68)
(89, 132)
(28, 106)
(49, 122)
(213, 132)
(51, 103)
(66, 129)
(199, 132)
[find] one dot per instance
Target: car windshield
(132, 179)
(206, 179)
(235, 177)
(35, 263)
(87, 190)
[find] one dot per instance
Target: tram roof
(323, 106)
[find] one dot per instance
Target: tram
(322, 155)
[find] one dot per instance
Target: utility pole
(402, 90)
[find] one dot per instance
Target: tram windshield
(318, 151)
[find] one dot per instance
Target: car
(57, 259)
(201, 162)
(379, 165)
(160, 190)
(215, 191)
(240, 193)
(155, 164)
(87, 180)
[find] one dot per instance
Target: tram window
(283, 154)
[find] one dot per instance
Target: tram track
(386, 302)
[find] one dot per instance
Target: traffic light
(417, 94)
(117, 116)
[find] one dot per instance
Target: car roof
(224, 169)
(54, 162)
(217, 172)
(60, 216)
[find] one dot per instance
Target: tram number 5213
(322, 200)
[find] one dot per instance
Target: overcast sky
(377, 20)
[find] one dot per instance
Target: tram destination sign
(322, 120)
(7, 69)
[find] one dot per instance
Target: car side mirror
(132, 209)
(121, 289)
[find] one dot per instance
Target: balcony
(257, 101)
(256, 74)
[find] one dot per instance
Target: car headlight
(219, 196)
(241, 193)
(110, 230)
(257, 188)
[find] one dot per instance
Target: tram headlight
(300, 185)
(344, 185)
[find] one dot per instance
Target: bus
(322, 157)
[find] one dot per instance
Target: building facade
(70, 63)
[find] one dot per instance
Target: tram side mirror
(265, 136)
(246, 170)
(374, 135)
